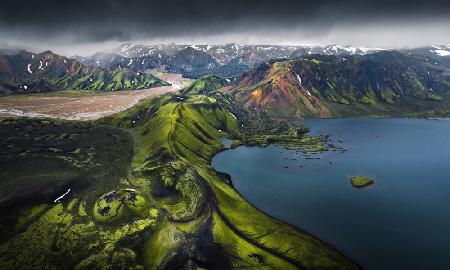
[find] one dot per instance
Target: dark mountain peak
(47, 52)
(190, 58)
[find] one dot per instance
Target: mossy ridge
(188, 130)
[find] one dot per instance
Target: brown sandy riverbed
(87, 106)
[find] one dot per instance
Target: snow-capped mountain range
(226, 60)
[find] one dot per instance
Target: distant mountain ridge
(323, 86)
(194, 61)
(383, 83)
(329, 74)
(25, 72)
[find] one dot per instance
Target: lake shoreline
(230, 182)
(385, 134)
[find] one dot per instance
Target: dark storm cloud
(95, 20)
(56, 24)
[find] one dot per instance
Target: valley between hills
(133, 187)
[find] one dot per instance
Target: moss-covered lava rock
(111, 205)
(361, 181)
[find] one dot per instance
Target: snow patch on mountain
(441, 52)
(299, 79)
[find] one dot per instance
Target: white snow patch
(442, 52)
(62, 196)
(125, 47)
(25, 87)
(131, 61)
(309, 94)
(298, 78)
(29, 68)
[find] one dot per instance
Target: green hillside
(26, 72)
(205, 85)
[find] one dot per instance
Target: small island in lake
(361, 181)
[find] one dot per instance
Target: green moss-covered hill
(26, 72)
(166, 207)
(384, 83)
(205, 85)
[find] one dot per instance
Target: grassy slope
(184, 213)
(205, 85)
(108, 80)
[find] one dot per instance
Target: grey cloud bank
(78, 27)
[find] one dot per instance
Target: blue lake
(400, 222)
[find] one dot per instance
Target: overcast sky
(85, 26)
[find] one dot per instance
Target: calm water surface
(401, 222)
